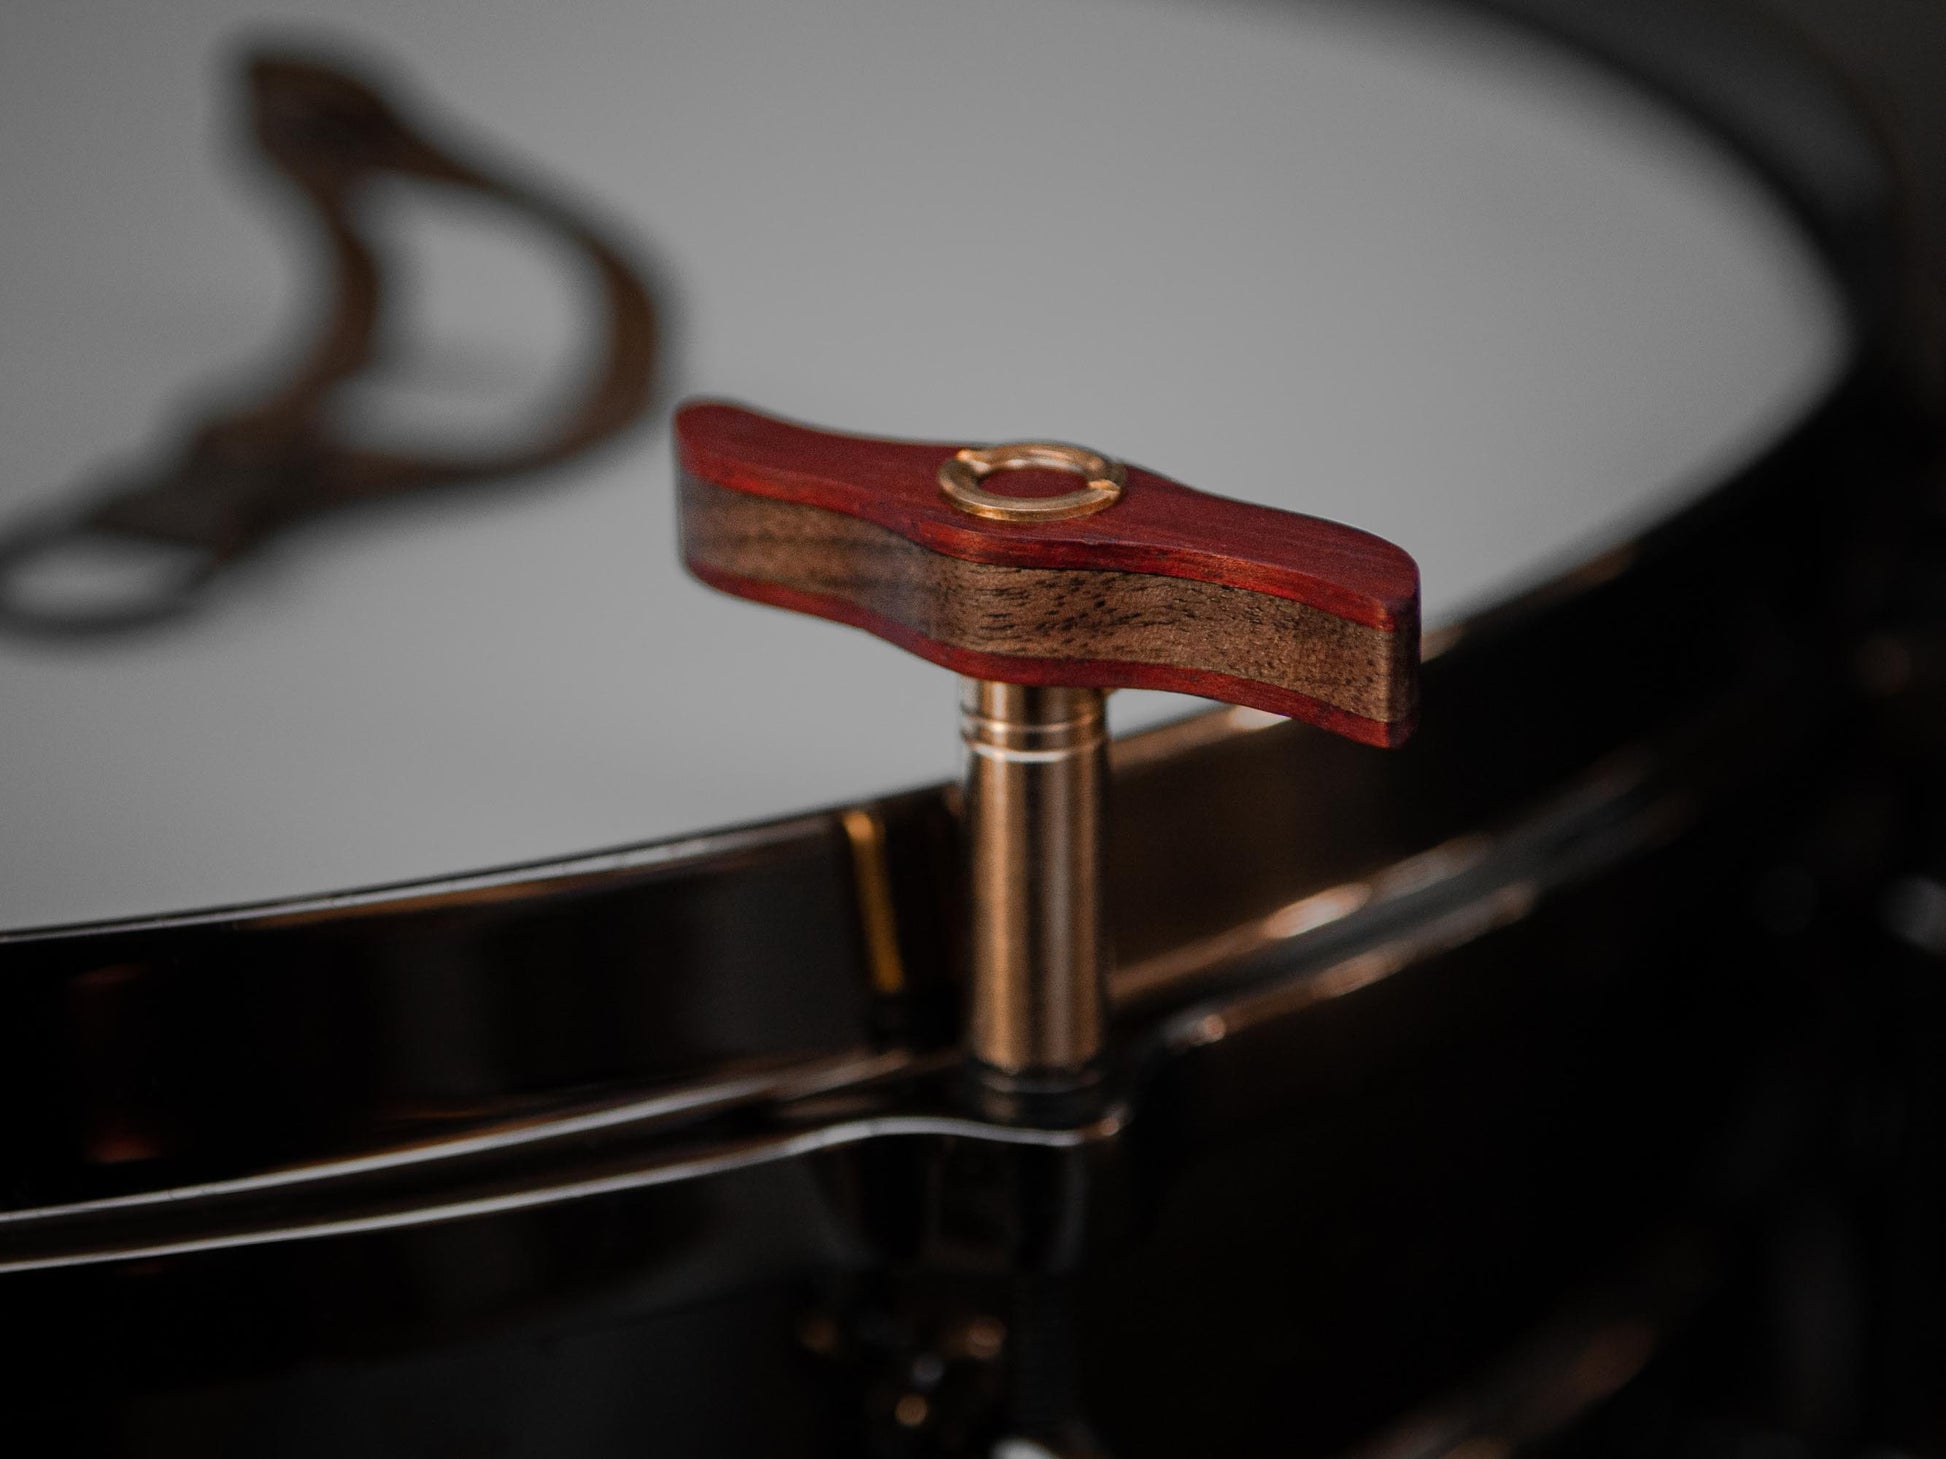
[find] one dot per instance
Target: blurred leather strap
(249, 471)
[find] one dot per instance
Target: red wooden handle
(1164, 588)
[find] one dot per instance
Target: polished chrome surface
(1036, 791)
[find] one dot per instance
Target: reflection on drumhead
(1398, 267)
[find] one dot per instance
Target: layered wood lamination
(1113, 623)
(1166, 588)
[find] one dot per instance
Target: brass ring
(960, 476)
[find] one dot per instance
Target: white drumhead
(1402, 268)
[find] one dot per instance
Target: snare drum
(1481, 1095)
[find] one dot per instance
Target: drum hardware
(1035, 803)
(878, 923)
(1129, 579)
(249, 472)
(961, 473)
(972, 1190)
(1041, 602)
(1219, 962)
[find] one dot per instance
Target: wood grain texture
(1170, 588)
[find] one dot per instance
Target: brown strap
(253, 470)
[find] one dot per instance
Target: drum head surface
(1403, 268)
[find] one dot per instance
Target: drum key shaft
(1036, 787)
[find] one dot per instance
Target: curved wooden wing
(1163, 587)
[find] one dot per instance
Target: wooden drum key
(1043, 602)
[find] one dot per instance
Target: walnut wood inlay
(1194, 593)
